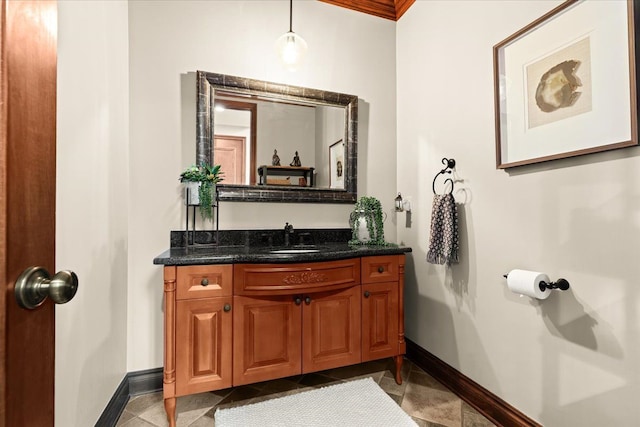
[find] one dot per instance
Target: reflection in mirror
(277, 142)
(234, 146)
(284, 128)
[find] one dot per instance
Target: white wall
(169, 41)
(92, 206)
(330, 125)
(283, 127)
(571, 360)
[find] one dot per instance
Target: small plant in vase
(206, 176)
(366, 222)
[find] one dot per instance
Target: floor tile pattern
(427, 401)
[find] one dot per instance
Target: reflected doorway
(234, 142)
(229, 153)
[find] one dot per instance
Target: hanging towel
(443, 243)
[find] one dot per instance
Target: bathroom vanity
(240, 314)
(265, 304)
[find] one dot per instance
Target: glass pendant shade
(291, 48)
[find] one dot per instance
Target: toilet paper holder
(561, 284)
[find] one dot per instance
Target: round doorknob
(227, 308)
(381, 269)
(307, 300)
(34, 285)
(204, 282)
(297, 300)
(366, 294)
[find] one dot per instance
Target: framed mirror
(275, 142)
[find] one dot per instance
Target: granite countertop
(259, 246)
(247, 254)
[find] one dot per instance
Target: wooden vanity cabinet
(379, 307)
(275, 337)
(383, 309)
(229, 325)
(198, 331)
(314, 323)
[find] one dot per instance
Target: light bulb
(291, 49)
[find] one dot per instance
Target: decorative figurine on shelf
(296, 160)
(275, 160)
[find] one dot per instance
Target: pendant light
(291, 47)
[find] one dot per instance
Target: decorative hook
(449, 164)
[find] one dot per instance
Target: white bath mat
(351, 404)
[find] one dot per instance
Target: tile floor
(427, 401)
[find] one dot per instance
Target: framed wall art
(336, 165)
(565, 85)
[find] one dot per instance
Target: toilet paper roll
(525, 282)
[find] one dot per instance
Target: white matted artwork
(565, 84)
(559, 85)
(336, 165)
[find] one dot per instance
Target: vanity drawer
(286, 279)
(204, 281)
(376, 269)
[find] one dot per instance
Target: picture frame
(565, 85)
(336, 165)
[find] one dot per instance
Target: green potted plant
(366, 222)
(205, 177)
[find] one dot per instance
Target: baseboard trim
(488, 404)
(147, 381)
(133, 384)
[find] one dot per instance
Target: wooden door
(331, 329)
(229, 153)
(203, 345)
(266, 338)
(379, 320)
(27, 199)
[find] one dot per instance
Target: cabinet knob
(204, 282)
(307, 300)
(381, 269)
(297, 300)
(227, 308)
(366, 294)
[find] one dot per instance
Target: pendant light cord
(290, 16)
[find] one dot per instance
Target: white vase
(191, 193)
(361, 224)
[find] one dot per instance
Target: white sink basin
(294, 251)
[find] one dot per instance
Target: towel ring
(450, 164)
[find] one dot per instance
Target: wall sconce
(399, 205)
(291, 47)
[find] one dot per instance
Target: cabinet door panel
(331, 330)
(379, 320)
(203, 345)
(266, 343)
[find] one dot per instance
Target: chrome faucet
(288, 229)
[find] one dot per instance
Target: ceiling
(389, 9)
